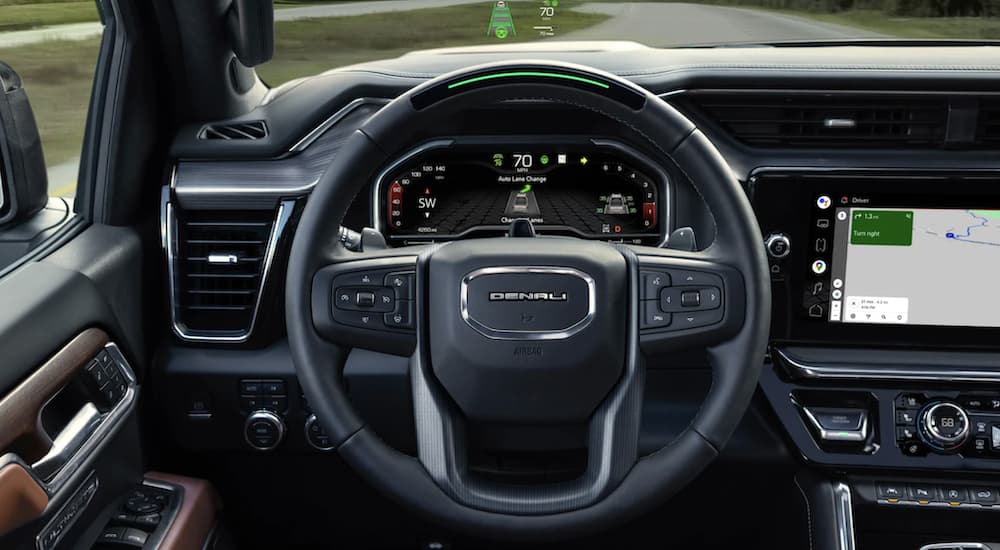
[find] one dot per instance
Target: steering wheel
(582, 359)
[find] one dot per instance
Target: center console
(885, 356)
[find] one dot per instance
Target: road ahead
(670, 24)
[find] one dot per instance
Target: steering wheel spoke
(367, 303)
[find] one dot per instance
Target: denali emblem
(528, 296)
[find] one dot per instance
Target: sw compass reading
(588, 192)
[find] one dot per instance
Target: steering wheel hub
(527, 330)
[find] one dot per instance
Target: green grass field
(15, 17)
(973, 28)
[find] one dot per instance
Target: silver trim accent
(955, 546)
(309, 422)
(332, 121)
(843, 512)
(877, 372)
(554, 334)
(858, 435)
(87, 490)
(264, 414)
(3, 198)
(169, 237)
(839, 123)
(110, 423)
(774, 237)
(69, 441)
(223, 259)
(926, 418)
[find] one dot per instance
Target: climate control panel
(968, 425)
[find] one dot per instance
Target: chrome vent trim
(171, 242)
(228, 131)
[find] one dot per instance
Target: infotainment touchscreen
(906, 265)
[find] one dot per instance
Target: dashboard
(885, 241)
(475, 187)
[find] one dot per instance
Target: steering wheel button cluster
(374, 299)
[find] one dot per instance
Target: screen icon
(823, 223)
(819, 267)
(823, 202)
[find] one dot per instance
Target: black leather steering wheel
(585, 358)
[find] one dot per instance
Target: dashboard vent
(828, 120)
(219, 267)
(988, 127)
(255, 129)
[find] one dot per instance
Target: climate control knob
(943, 426)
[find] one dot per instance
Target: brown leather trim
(19, 409)
(196, 517)
(21, 498)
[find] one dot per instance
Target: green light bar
(574, 78)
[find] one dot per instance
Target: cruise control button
(983, 495)
(385, 299)
(402, 317)
(652, 283)
(652, 317)
(361, 319)
(359, 278)
(401, 283)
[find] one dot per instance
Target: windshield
(315, 36)
(53, 44)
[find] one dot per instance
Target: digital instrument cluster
(456, 192)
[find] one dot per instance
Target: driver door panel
(69, 386)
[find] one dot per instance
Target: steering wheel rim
(736, 361)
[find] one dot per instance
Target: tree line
(907, 8)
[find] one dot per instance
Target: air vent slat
(221, 268)
(826, 120)
(252, 130)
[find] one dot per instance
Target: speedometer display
(457, 192)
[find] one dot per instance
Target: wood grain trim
(20, 408)
(196, 515)
(21, 498)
